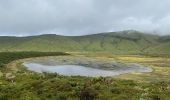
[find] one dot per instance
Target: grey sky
(78, 17)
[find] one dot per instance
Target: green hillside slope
(126, 42)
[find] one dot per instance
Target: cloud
(79, 17)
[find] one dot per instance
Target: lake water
(92, 69)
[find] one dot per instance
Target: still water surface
(74, 70)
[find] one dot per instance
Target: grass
(125, 42)
(160, 65)
(26, 85)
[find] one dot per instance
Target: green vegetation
(27, 85)
(6, 57)
(125, 42)
(17, 83)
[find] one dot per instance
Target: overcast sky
(78, 17)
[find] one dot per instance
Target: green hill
(124, 42)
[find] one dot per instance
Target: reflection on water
(96, 69)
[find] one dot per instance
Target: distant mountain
(124, 42)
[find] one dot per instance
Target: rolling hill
(123, 42)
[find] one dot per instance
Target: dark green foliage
(6, 57)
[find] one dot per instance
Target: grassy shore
(16, 83)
